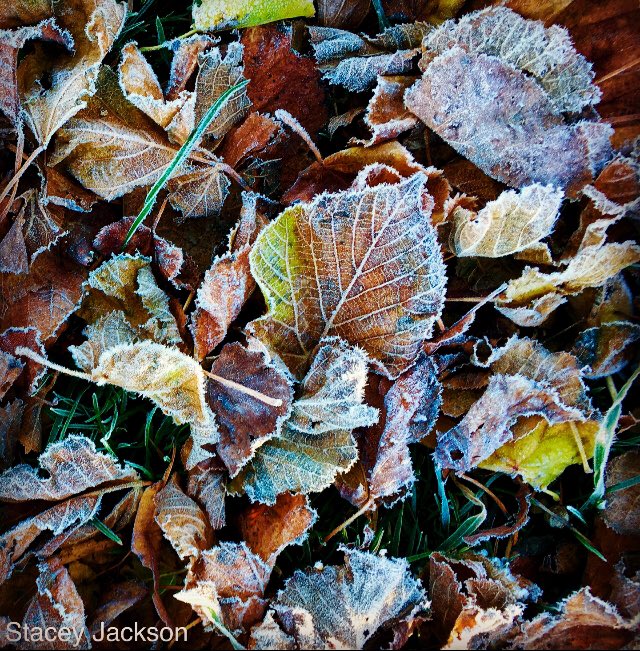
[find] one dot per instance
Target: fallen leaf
(182, 521)
(224, 14)
(324, 264)
(268, 530)
(606, 349)
(512, 223)
(246, 422)
(621, 513)
(342, 606)
(355, 61)
(341, 14)
(57, 605)
(117, 600)
(315, 443)
(207, 485)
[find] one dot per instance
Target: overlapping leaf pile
(387, 271)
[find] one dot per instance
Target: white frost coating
(545, 53)
(341, 607)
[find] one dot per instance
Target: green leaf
(231, 14)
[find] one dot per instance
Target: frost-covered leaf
(246, 422)
(113, 148)
(315, 443)
(512, 223)
(356, 61)
(171, 379)
(341, 606)
(547, 54)
(576, 623)
(208, 486)
(10, 368)
(216, 75)
(53, 95)
(527, 381)
(226, 286)
(386, 115)
(530, 299)
(362, 265)
(182, 521)
(227, 582)
(607, 348)
(471, 99)
(621, 513)
(229, 14)
(56, 606)
(73, 466)
(344, 15)
(409, 410)
(541, 454)
(268, 530)
(141, 87)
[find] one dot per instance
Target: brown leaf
(32, 372)
(267, 530)
(207, 485)
(58, 605)
(622, 513)
(341, 14)
(249, 138)
(606, 349)
(10, 368)
(352, 277)
(146, 544)
(74, 465)
(245, 422)
(277, 74)
(20, 13)
(583, 622)
(118, 599)
(227, 582)
(182, 521)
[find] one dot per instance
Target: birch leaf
(316, 442)
(510, 224)
(362, 265)
(231, 14)
(73, 466)
(341, 606)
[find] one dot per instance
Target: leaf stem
(182, 154)
(274, 402)
(578, 440)
(16, 177)
(27, 352)
(367, 505)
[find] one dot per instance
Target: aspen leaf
(315, 443)
(362, 265)
(511, 224)
(231, 14)
(341, 606)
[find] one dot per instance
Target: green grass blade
(102, 528)
(604, 441)
(182, 154)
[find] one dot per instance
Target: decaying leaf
(582, 622)
(511, 224)
(207, 485)
(57, 605)
(621, 513)
(606, 349)
(74, 465)
(227, 583)
(356, 61)
(345, 15)
(315, 443)
(246, 422)
(229, 14)
(528, 381)
(530, 299)
(362, 265)
(182, 521)
(341, 606)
